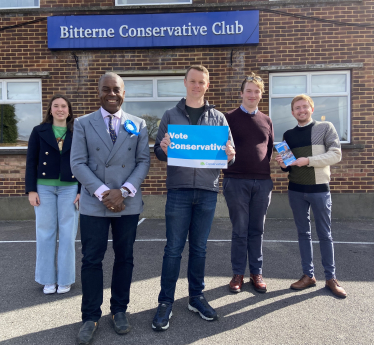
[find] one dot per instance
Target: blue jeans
(321, 206)
(94, 237)
(188, 212)
(56, 211)
(247, 201)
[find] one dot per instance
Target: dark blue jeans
(247, 201)
(94, 237)
(321, 206)
(188, 212)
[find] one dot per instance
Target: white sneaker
(48, 289)
(63, 288)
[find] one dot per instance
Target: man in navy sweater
(247, 184)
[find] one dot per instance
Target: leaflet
(286, 153)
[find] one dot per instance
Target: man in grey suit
(110, 157)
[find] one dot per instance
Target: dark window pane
(282, 117)
(151, 112)
(17, 122)
(335, 110)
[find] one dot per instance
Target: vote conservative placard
(198, 146)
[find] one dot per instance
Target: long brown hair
(48, 118)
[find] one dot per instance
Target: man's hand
(117, 208)
(230, 152)
(113, 200)
(165, 142)
(34, 199)
(280, 161)
(300, 162)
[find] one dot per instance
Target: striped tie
(112, 132)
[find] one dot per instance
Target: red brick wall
(12, 175)
(284, 40)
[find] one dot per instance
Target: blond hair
(302, 97)
(255, 79)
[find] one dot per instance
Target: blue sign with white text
(153, 30)
(198, 146)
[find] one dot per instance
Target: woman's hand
(34, 199)
(77, 198)
(76, 201)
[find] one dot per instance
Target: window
(151, 2)
(330, 91)
(8, 4)
(20, 111)
(150, 97)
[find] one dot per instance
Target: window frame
(19, 7)
(308, 92)
(4, 100)
(155, 97)
(185, 2)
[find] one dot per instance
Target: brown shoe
(258, 283)
(236, 283)
(304, 282)
(335, 288)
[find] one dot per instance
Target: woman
(54, 193)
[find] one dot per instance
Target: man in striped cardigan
(315, 146)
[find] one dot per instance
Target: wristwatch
(124, 192)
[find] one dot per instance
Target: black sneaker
(199, 304)
(161, 319)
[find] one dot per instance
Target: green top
(59, 132)
(194, 113)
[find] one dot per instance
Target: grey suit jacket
(96, 161)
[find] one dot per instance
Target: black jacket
(44, 159)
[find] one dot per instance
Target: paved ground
(281, 316)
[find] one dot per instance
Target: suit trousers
(94, 237)
(247, 201)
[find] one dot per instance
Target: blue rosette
(130, 127)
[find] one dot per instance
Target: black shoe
(199, 304)
(161, 319)
(120, 323)
(86, 332)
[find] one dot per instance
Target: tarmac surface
(281, 316)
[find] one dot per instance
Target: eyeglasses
(252, 78)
